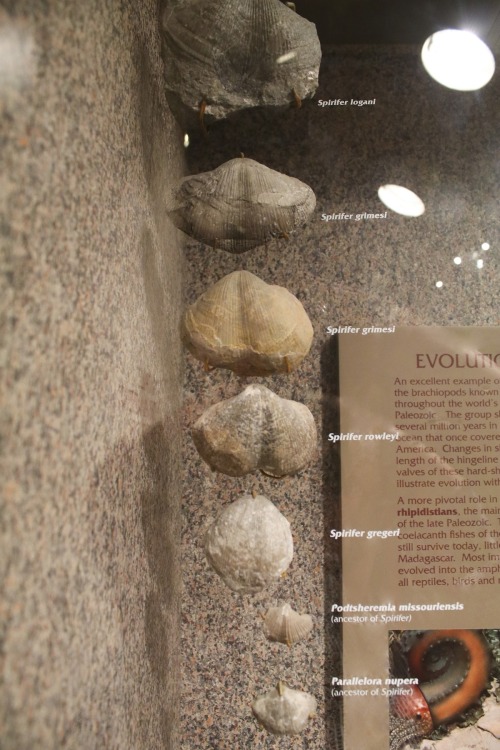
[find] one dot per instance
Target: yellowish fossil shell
(250, 544)
(285, 625)
(240, 205)
(256, 430)
(236, 54)
(243, 324)
(283, 710)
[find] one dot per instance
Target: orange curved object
(459, 683)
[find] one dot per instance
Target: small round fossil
(250, 544)
(285, 625)
(240, 205)
(245, 325)
(283, 710)
(256, 430)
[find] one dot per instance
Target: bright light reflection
(485, 246)
(286, 57)
(401, 200)
(457, 261)
(480, 263)
(458, 59)
(439, 284)
(186, 140)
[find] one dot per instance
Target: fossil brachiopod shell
(240, 205)
(248, 326)
(256, 430)
(283, 710)
(250, 544)
(285, 625)
(235, 54)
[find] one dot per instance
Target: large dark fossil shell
(235, 54)
(240, 205)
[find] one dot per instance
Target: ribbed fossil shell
(285, 625)
(250, 544)
(248, 326)
(256, 430)
(240, 205)
(235, 54)
(283, 710)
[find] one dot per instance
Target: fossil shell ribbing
(248, 326)
(250, 544)
(235, 54)
(283, 710)
(285, 625)
(256, 430)
(240, 205)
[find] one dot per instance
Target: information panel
(420, 536)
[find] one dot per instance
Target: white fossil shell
(248, 326)
(250, 544)
(285, 625)
(256, 430)
(236, 54)
(283, 710)
(240, 205)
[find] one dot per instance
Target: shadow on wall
(332, 519)
(160, 396)
(161, 534)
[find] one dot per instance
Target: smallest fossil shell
(285, 625)
(283, 710)
(240, 205)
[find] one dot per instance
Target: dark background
(396, 22)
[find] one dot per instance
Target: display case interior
(134, 615)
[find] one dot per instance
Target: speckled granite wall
(441, 144)
(91, 380)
